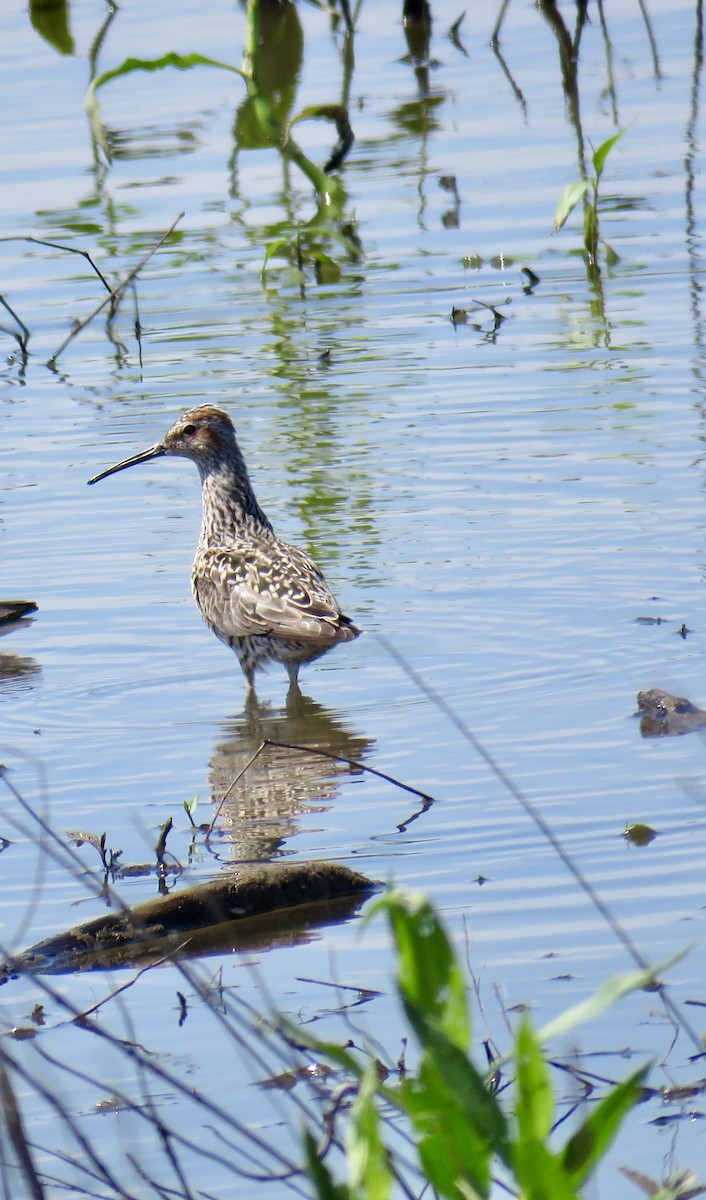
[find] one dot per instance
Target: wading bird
(266, 600)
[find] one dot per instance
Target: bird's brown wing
(273, 590)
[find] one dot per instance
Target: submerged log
(252, 908)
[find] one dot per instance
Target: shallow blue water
(502, 507)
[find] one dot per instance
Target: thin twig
(358, 766)
(114, 294)
(161, 846)
(22, 340)
(58, 246)
(229, 789)
(123, 987)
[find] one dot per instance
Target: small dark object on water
(639, 834)
(684, 632)
(530, 280)
(665, 715)
(455, 36)
(266, 600)
(12, 611)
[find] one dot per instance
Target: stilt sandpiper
(266, 600)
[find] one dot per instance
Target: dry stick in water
(23, 338)
(114, 294)
(426, 799)
(232, 784)
(351, 762)
(546, 831)
(59, 246)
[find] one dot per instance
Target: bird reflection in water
(261, 812)
(16, 671)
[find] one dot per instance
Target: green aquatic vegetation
(587, 190)
(264, 119)
(190, 807)
(639, 834)
(467, 1124)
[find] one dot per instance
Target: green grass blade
(471, 1095)
(429, 975)
(368, 1165)
(534, 1109)
(454, 1154)
(540, 1174)
(607, 994)
(182, 62)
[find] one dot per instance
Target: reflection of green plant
(588, 189)
(263, 119)
(50, 18)
(461, 1130)
(328, 191)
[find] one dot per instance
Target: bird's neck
(229, 505)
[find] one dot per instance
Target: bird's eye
(188, 430)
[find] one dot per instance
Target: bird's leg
(293, 672)
(252, 707)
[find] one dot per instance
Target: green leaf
(321, 112)
(182, 62)
(572, 193)
(280, 247)
(534, 1109)
(327, 269)
(607, 994)
(50, 18)
(191, 805)
(368, 1166)
(464, 1084)
(601, 154)
(540, 1174)
(586, 1148)
(639, 834)
(451, 1148)
(429, 975)
(611, 256)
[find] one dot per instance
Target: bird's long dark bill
(143, 456)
